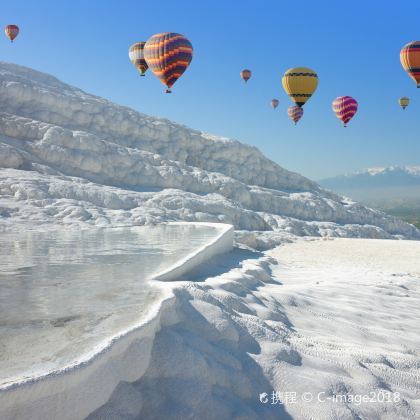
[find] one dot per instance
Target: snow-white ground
(354, 307)
(325, 323)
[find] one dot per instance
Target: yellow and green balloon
(404, 101)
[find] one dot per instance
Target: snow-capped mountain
(68, 157)
(378, 177)
(379, 186)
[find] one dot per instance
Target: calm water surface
(63, 293)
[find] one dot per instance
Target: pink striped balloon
(345, 107)
(295, 113)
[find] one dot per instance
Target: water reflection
(63, 292)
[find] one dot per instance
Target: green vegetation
(415, 221)
(409, 214)
(407, 209)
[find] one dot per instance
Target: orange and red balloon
(11, 31)
(168, 55)
(410, 60)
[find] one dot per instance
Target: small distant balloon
(274, 103)
(136, 55)
(168, 55)
(300, 83)
(295, 113)
(345, 107)
(410, 60)
(246, 74)
(11, 31)
(404, 101)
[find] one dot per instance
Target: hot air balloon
(404, 101)
(274, 103)
(135, 53)
(11, 31)
(295, 113)
(168, 55)
(300, 83)
(344, 107)
(246, 74)
(410, 60)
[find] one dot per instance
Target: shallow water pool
(63, 293)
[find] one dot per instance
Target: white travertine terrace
(71, 157)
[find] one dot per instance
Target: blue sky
(353, 46)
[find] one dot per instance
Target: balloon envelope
(345, 107)
(168, 55)
(274, 103)
(11, 31)
(246, 74)
(404, 101)
(295, 113)
(410, 60)
(300, 83)
(136, 55)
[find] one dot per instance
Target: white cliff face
(70, 157)
(41, 97)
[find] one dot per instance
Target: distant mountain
(376, 177)
(384, 187)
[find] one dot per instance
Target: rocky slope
(74, 158)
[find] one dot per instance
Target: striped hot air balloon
(295, 113)
(410, 60)
(300, 83)
(245, 74)
(274, 103)
(344, 107)
(168, 55)
(11, 31)
(135, 53)
(404, 101)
